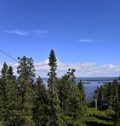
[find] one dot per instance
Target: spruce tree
(81, 108)
(73, 102)
(12, 102)
(40, 111)
(72, 99)
(26, 75)
(52, 81)
(55, 110)
(9, 97)
(3, 97)
(64, 91)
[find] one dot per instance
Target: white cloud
(27, 33)
(17, 32)
(89, 41)
(82, 69)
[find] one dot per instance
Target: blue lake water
(90, 88)
(90, 84)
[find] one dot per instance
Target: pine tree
(73, 106)
(40, 111)
(52, 74)
(9, 97)
(26, 74)
(72, 99)
(65, 94)
(3, 97)
(55, 110)
(81, 108)
(12, 102)
(64, 91)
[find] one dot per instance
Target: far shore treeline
(25, 102)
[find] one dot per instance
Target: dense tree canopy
(26, 101)
(108, 97)
(25, 81)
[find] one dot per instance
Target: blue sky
(81, 32)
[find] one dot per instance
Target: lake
(90, 84)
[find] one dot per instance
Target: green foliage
(40, 111)
(12, 99)
(3, 85)
(64, 91)
(72, 99)
(97, 117)
(9, 96)
(55, 112)
(52, 80)
(24, 102)
(26, 73)
(2, 124)
(26, 68)
(108, 97)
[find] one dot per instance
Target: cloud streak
(26, 33)
(88, 41)
(17, 32)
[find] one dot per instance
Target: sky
(85, 34)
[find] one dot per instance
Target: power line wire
(11, 57)
(8, 55)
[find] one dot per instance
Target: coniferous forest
(25, 101)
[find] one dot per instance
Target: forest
(26, 101)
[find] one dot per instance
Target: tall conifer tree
(40, 111)
(9, 94)
(72, 99)
(55, 111)
(12, 103)
(3, 95)
(26, 75)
